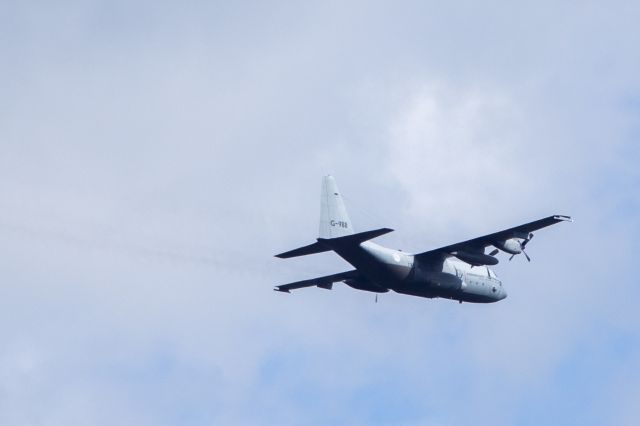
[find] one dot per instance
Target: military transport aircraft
(458, 271)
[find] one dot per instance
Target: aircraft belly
(460, 295)
(437, 281)
(429, 284)
(433, 284)
(475, 292)
(398, 272)
(378, 268)
(388, 276)
(384, 269)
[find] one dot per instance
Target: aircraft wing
(477, 245)
(322, 282)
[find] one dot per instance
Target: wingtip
(281, 290)
(563, 217)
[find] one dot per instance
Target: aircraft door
(460, 276)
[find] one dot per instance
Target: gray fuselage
(446, 277)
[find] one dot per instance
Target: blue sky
(154, 156)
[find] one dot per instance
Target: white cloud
(458, 151)
(137, 141)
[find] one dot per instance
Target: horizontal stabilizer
(303, 251)
(322, 282)
(328, 244)
(354, 239)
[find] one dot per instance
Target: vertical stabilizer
(334, 220)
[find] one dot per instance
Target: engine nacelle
(475, 259)
(511, 246)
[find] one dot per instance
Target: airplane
(458, 272)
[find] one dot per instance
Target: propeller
(523, 244)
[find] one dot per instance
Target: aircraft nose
(503, 294)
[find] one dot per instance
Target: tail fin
(334, 220)
(336, 230)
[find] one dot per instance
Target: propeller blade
(526, 255)
(493, 253)
(525, 242)
(511, 257)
